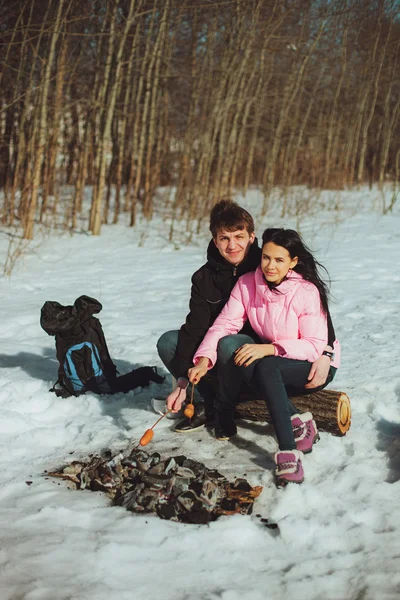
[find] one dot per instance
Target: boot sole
(282, 483)
(189, 430)
(225, 438)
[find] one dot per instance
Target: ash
(176, 488)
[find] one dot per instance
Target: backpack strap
(69, 366)
(62, 391)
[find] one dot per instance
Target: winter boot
(200, 419)
(225, 426)
(305, 432)
(289, 467)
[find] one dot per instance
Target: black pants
(272, 377)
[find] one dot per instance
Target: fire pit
(176, 488)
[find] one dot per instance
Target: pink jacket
(290, 318)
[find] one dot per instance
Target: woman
(286, 302)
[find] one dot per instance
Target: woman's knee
(228, 345)
(268, 365)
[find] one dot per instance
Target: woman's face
(276, 262)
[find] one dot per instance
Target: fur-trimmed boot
(289, 468)
(305, 432)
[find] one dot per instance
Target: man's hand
(178, 396)
(248, 353)
(197, 372)
(318, 372)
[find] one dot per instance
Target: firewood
(331, 409)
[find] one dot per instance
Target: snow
(339, 532)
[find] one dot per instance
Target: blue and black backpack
(84, 360)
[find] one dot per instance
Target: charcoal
(247, 508)
(196, 486)
(179, 486)
(115, 461)
(228, 504)
(197, 517)
(148, 499)
(209, 493)
(167, 511)
(140, 455)
(189, 500)
(74, 468)
(194, 465)
(170, 465)
(155, 459)
(185, 473)
(242, 484)
(157, 469)
(85, 480)
(214, 474)
(180, 460)
(155, 481)
(268, 524)
(97, 486)
(175, 488)
(128, 500)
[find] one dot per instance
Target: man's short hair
(230, 216)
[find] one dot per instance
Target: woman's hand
(197, 372)
(248, 353)
(318, 372)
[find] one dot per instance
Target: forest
(205, 97)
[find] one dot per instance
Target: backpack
(84, 360)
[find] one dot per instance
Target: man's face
(233, 245)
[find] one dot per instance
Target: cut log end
(343, 413)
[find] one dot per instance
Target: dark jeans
(207, 387)
(273, 377)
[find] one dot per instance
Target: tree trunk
(104, 128)
(53, 142)
(29, 216)
(331, 410)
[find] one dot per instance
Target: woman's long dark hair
(307, 266)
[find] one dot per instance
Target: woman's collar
(282, 288)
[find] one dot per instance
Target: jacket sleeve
(192, 332)
(230, 321)
(312, 330)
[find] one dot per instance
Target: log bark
(331, 409)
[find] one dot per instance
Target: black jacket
(211, 287)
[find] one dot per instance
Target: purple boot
(305, 432)
(289, 467)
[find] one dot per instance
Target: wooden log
(331, 409)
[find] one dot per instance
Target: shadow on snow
(44, 367)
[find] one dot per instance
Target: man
(232, 252)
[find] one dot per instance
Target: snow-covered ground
(339, 532)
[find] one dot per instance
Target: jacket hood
(56, 318)
(249, 263)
